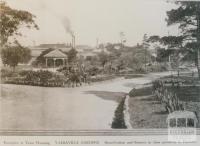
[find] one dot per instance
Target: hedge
(118, 120)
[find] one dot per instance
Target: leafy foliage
(36, 78)
(12, 55)
(40, 60)
(188, 18)
(103, 58)
(167, 98)
(42, 76)
(72, 55)
(170, 41)
(11, 20)
(118, 121)
(5, 73)
(185, 15)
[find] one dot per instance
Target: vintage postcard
(99, 72)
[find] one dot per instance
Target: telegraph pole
(198, 38)
(145, 49)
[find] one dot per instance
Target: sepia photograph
(99, 67)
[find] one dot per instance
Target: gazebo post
(66, 64)
(54, 62)
(46, 62)
(63, 59)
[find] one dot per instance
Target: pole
(145, 51)
(54, 62)
(46, 62)
(198, 38)
(74, 41)
(145, 58)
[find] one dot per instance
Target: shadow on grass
(149, 98)
(107, 95)
(161, 113)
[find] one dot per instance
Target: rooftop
(56, 54)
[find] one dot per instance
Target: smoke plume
(67, 25)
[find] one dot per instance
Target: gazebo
(56, 55)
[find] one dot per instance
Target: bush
(40, 76)
(12, 55)
(157, 68)
(157, 84)
(92, 71)
(140, 70)
(118, 121)
(8, 73)
(37, 78)
(169, 99)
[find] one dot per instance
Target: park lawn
(146, 112)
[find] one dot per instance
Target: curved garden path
(43, 108)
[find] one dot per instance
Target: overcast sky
(92, 19)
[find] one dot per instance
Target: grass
(187, 93)
(141, 91)
(186, 78)
(146, 112)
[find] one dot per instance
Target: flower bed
(36, 78)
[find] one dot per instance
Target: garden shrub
(37, 78)
(118, 121)
(8, 73)
(92, 71)
(166, 97)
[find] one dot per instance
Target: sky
(94, 19)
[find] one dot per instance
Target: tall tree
(12, 55)
(72, 55)
(168, 45)
(103, 58)
(187, 16)
(11, 20)
(145, 45)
